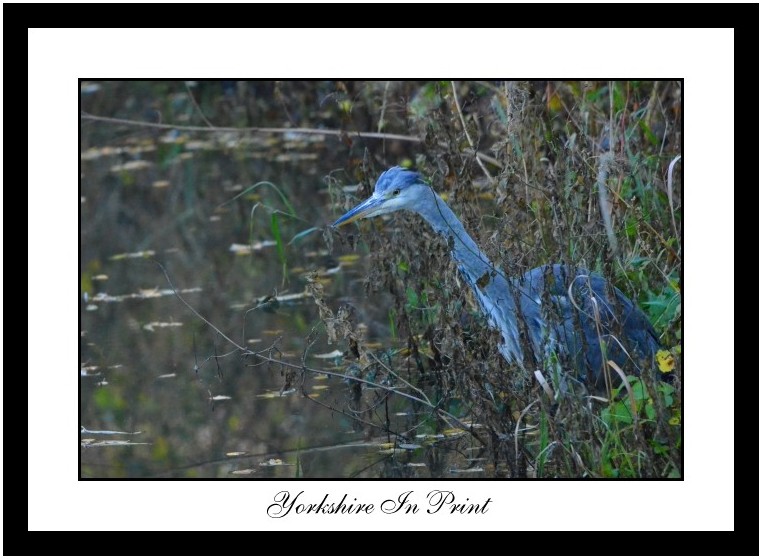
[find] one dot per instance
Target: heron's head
(396, 189)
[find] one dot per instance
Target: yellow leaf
(554, 103)
(665, 361)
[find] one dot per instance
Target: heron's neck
(472, 262)
(488, 283)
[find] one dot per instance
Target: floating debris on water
(91, 442)
(84, 431)
(143, 294)
(332, 355)
(140, 254)
(274, 394)
(87, 443)
(274, 462)
(131, 166)
(468, 471)
(241, 249)
(151, 326)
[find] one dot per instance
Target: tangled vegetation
(521, 164)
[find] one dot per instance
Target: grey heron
(550, 310)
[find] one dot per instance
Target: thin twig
(251, 130)
(381, 122)
(489, 159)
(261, 354)
(190, 307)
(465, 129)
(518, 424)
(597, 319)
(197, 106)
(255, 130)
(398, 377)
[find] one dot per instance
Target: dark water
(183, 399)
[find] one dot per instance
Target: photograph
(368, 279)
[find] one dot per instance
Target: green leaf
(275, 228)
(650, 136)
(412, 298)
(650, 411)
(544, 439)
(392, 320)
(621, 413)
(639, 391)
(299, 236)
(291, 212)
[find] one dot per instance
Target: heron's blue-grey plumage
(573, 313)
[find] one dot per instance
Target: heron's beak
(371, 207)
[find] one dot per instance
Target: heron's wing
(585, 318)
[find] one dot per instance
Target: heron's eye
(396, 192)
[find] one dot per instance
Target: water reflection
(169, 392)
